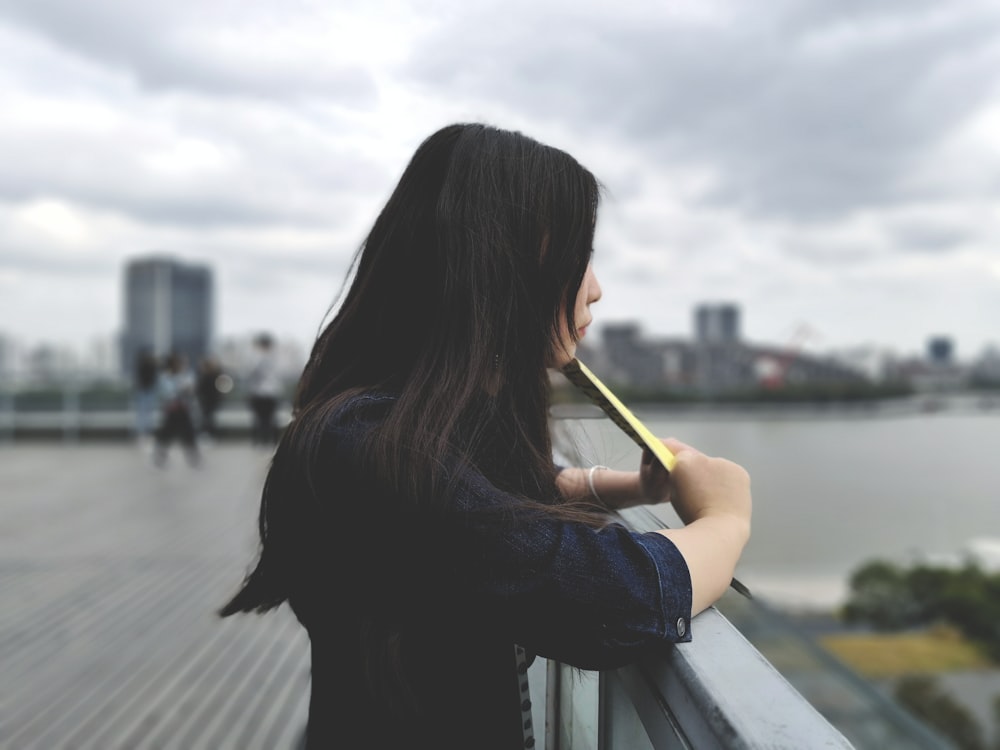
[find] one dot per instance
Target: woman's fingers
(675, 446)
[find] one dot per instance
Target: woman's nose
(595, 288)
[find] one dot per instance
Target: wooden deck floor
(110, 573)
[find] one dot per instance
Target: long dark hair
(458, 296)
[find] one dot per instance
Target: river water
(834, 490)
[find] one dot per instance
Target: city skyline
(709, 320)
(830, 166)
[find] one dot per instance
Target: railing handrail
(718, 691)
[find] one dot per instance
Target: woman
(175, 387)
(146, 374)
(209, 391)
(413, 516)
(264, 386)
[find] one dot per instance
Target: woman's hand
(654, 480)
(699, 484)
(706, 486)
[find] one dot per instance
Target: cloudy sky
(831, 164)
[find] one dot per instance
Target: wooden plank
(110, 575)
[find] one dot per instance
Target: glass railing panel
(573, 708)
(625, 699)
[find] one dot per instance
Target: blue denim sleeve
(595, 599)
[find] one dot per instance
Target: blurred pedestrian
(144, 395)
(263, 388)
(210, 389)
(176, 388)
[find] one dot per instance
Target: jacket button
(681, 627)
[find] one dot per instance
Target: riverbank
(935, 650)
(939, 664)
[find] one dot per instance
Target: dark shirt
(447, 593)
(146, 373)
(209, 395)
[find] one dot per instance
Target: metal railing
(717, 691)
(720, 691)
(92, 406)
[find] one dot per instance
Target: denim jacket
(451, 592)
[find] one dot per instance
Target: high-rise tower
(168, 308)
(717, 324)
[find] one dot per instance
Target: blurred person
(263, 389)
(145, 395)
(210, 389)
(176, 387)
(413, 516)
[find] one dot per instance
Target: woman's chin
(562, 357)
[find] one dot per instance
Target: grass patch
(880, 655)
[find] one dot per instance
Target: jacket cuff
(675, 585)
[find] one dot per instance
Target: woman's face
(588, 293)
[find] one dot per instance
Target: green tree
(927, 585)
(974, 605)
(890, 598)
(880, 595)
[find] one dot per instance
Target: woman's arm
(618, 489)
(711, 495)
(614, 489)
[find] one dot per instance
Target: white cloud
(833, 163)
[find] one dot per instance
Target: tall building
(717, 324)
(940, 350)
(168, 308)
(633, 361)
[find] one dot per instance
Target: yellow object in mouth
(581, 376)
